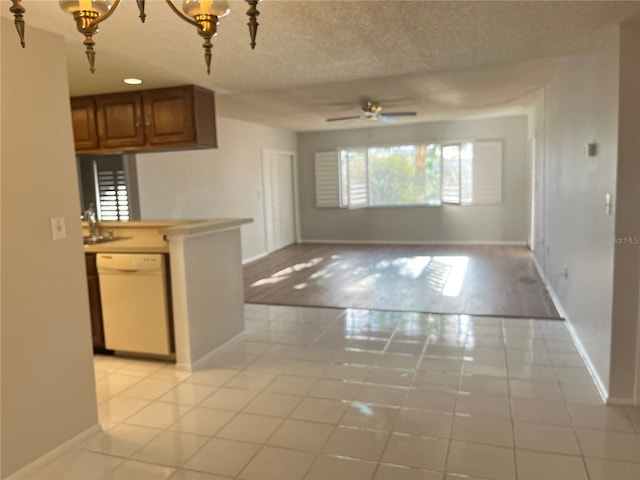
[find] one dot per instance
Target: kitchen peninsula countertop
(152, 236)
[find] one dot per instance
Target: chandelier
(88, 14)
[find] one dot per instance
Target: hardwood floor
(473, 280)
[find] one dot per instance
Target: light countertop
(153, 236)
(129, 245)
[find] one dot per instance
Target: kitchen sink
(97, 239)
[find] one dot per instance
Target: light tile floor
(309, 393)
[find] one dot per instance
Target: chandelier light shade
(88, 14)
(193, 8)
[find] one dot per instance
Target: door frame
(531, 194)
(296, 207)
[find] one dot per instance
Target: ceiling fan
(372, 111)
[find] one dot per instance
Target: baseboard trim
(202, 361)
(254, 258)
(407, 242)
(623, 401)
(600, 386)
(29, 470)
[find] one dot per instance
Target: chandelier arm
(181, 15)
(18, 12)
(142, 16)
(253, 24)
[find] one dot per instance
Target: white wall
(594, 98)
(213, 183)
(48, 391)
(506, 222)
(625, 337)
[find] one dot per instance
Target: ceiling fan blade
(353, 117)
(386, 119)
(399, 114)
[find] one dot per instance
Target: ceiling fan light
(193, 8)
(98, 6)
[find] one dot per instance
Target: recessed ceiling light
(132, 81)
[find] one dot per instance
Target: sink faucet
(90, 216)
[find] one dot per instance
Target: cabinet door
(120, 122)
(169, 116)
(97, 332)
(83, 118)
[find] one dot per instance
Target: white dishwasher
(133, 291)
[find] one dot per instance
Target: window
(113, 198)
(109, 182)
(434, 174)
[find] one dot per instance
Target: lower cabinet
(97, 332)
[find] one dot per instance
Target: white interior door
(277, 171)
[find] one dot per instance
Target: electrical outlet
(58, 228)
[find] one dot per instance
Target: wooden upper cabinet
(161, 119)
(180, 115)
(83, 118)
(120, 122)
(168, 117)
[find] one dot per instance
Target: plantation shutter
(327, 176)
(487, 172)
(450, 192)
(357, 182)
(112, 193)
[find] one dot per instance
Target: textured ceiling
(317, 58)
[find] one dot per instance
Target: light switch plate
(58, 228)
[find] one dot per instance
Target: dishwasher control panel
(128, 262)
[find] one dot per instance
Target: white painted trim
(531, 185)
(266, 215)
(254, 258)
(636, 390)
(403, 242)
(28, 471)
(202, 361)
(296, 188)
(296, 204)
(600, 386)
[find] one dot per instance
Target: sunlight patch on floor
(286, 272)
(411, 267)
(456, 275)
